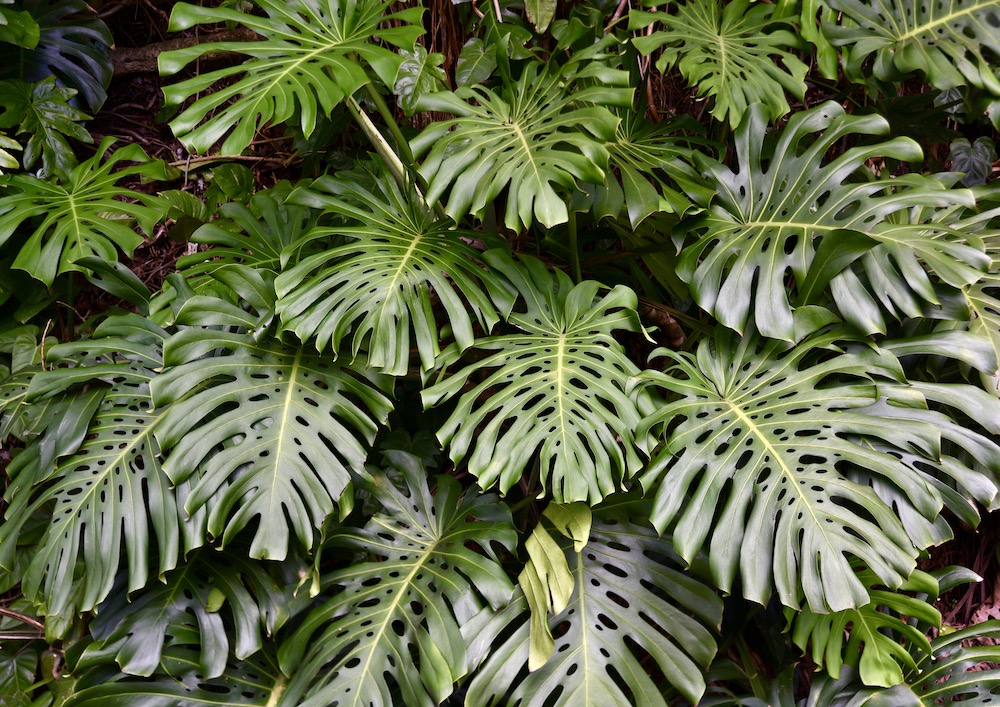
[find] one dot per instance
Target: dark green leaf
(419, 74)
(975, 160)
(476, 63)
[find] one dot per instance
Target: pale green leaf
(632, 611)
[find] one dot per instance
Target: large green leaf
(633, 622)
(393, 634)
(306, 63)
(42, 110)
(107, 500)
(265, 432)
(85, 216)
(755, 460)
(543, 132)
(786, 212)
(383, 282)
(73, 46)
(869, 637)
(728, 51)
(556, 387)
(952, 42)
(221, 598)
(179, 682)
(651, 168)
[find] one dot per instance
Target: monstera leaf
(108, 497)
(869, 638)
(784, 212)
(652, 169)
(73, 46)
(306, 63)
(180, 680)
(545, 131)
(211, 595)
(85, 216)
(556, 387)
(254, 235)
(760, 440)
(265, 432)
(728, 51)
(952, 42)
(380, 284)
(396, 623)
(633, 621)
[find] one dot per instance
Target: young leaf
(728, 52)
(306, 64)
(419, 74)
(396, 621)
(633, 622)
(869, 637)
(476, 63)
(557, 387)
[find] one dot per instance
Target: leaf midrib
(943, 20)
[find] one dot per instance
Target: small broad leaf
(476, 63)
(397, 618)
(535, 138)
(759, 441)
(975, 160)
(419, 74)
(633, 623)
(728, 52)
(879, 639)
(306, 63)
(85, 216)
(265, 432)
(17, 676)
(19, 28)
(378, 287)
(42, 110)
(557, 387)
(540, 12)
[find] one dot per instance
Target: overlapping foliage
(393, 434)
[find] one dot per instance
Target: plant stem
(390, 120)
(574, 249)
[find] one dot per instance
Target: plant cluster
(392, 433)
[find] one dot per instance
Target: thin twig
(23, 618)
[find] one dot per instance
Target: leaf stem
(402, 145)
(574, 249)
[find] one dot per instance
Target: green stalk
(574, 249)
(390, 120)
